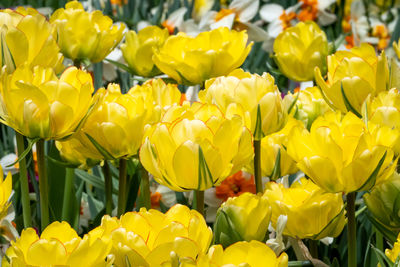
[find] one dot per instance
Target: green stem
(122, 187)
(69, 184)
(313, 246)
(351, 230)
(77, 63)
(297, 250)
(108, 187)
(300, 263)
(257, 166)
(23, 179)
(43, 184)
(145, 189)
(200, 201)
(379, 239)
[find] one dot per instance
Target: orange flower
(286, 19)
(155, 199)
(235, 185)
(309, 10)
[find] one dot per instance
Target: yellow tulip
(117, 123)
(79, 151)
(195, 147)
(5, 193)
(299, 49)
(394, 253)
(83, 35)
(26, 36)
(383, 204)
(162, 95)
(253, 253)
(384, 110)
(340, 154)
(192, 60)
(274, 145)
(311, 212)
(352, 76)
(58, 245)
(253, 97)
(309, 105)
(138, 49)
(37, 104)
(148, 237)
(242, 218)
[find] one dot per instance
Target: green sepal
(258, 133)
(276, 171)
(31, 142)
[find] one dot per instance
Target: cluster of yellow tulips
(319, 146)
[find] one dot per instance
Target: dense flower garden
(182, 133)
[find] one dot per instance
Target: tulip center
(309, 10)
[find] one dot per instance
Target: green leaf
(347, 103)
(107, 155)
(93, 180)
(127, 262)
(382, 258)
(31, 142)
(120, 66)
(293, 103)
(61, 163)
(374, 174)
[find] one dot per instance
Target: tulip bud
(242, 218)
(256, 99)
(83, 35)
(299, 49)
(352, 76)
(311, 212)
(192, 60)
(383, 203)
(138, 49)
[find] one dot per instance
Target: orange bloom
(235, 185)
(309, 10)
(286, 19)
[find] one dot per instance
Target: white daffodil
(175, 20)
(316, 10)
(278, 18)
(236, 16)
